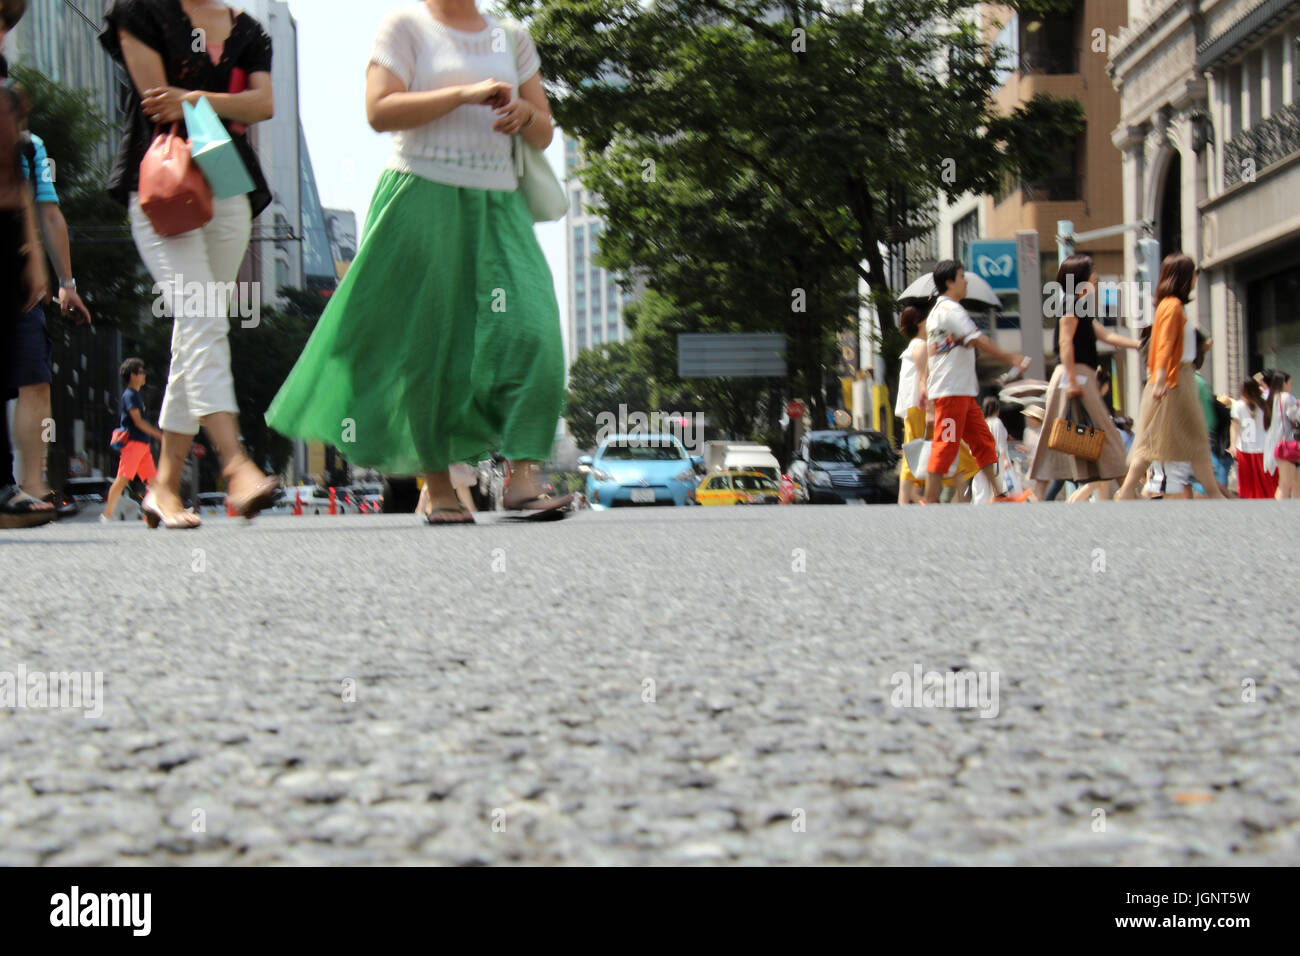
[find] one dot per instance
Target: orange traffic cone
(334, 508)
(297, 502)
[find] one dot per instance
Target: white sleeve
(394, 47)
(967, 328)
(526, 59)
(1239, 410)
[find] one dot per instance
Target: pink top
(215, 50)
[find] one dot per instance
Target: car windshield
(753, 483)
(853, 449)
(642, 452)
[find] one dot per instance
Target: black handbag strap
(1084, 418)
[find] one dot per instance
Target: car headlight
(599, 475)
(687, 474)
(818, 477)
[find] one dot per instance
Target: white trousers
(196, 272)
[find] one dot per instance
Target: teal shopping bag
(215, 152)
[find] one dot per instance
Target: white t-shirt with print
(1252, 434)
(949, 331)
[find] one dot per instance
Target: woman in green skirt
(442, 343)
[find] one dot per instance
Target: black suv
(835, 466)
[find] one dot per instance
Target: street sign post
(1031, 302)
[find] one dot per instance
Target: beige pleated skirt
(1051, 465)
(1172, 429)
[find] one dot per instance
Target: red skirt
(1252, 480)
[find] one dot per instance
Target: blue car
(640, 470)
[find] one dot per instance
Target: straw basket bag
(1075, 435)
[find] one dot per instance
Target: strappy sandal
(465, 516)
(25, 512)
(259, 499)
(181, 521)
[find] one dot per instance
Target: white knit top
(461, 148)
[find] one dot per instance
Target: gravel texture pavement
(661, 686)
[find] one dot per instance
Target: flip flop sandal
(24, 513)
(467, 519)
(556, 509)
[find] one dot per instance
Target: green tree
(752, 157)
(261, 358)
(600, 380)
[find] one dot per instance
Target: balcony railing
(1051, 61)
(1054, 189)
(1265, 143)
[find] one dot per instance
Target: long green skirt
(442, 343)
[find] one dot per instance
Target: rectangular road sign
(734, 355)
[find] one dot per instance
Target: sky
(334, 42)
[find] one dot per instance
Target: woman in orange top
(1171, 426)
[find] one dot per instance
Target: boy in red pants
(953, 385)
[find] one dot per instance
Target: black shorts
(31, 352)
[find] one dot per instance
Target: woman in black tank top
(1074, 384)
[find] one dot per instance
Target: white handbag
(917, 453)
(543, 193)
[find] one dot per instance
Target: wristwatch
(70, 285)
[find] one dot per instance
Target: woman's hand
(1159, 391)
(164, 104)
(1075, 390)
(512, 117)
(491, 93)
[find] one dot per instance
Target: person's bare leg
(166, 487)
(1203, 468)
(1137, 470)
(990, 473)
(242, 476)
(904, 492)
(465, 498)
(30, 415)
(114, 493)
(1040, 489)
(444, 506)
(933, 486)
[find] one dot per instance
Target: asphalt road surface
(691, 686)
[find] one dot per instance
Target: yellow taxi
(738, 488)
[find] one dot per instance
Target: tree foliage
(753, 158)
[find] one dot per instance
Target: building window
(1066, 184)
(1049, 42)
(580, 301)
(576, 208)
(595, 335)
(582, 338)
(964, 230)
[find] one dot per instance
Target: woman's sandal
(20, 510)
(182, 521)
(261, 498)
(464, 516)
(540, 508)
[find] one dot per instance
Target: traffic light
(1148, 273)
